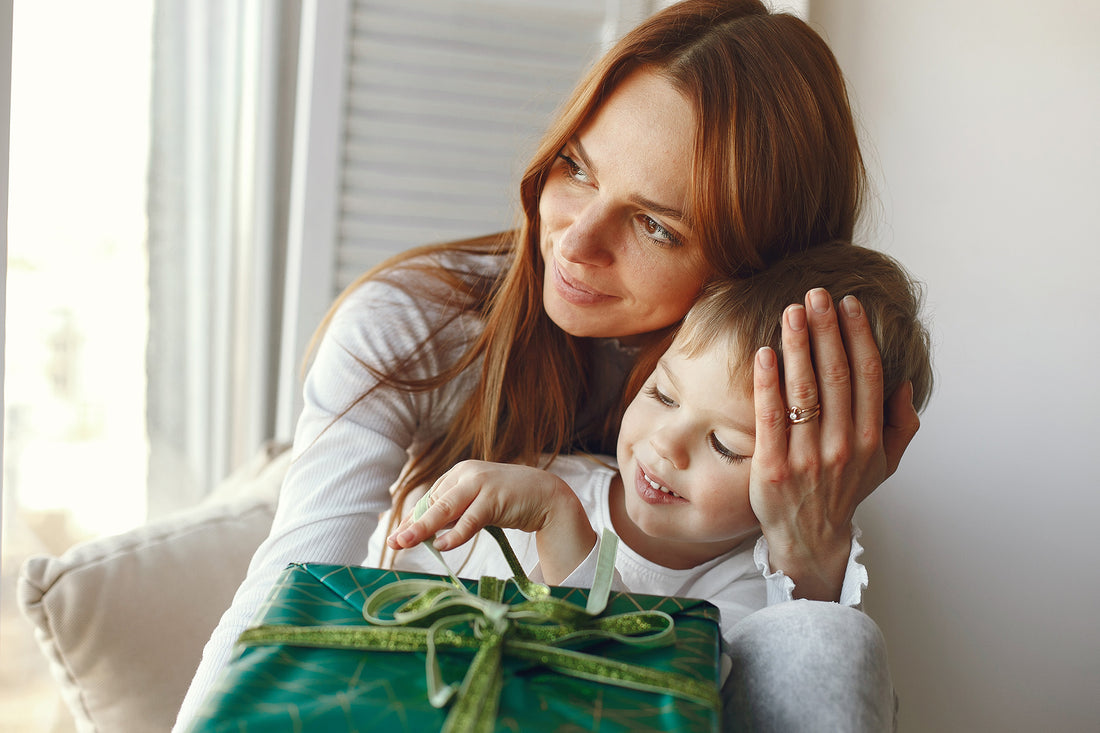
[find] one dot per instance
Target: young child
(680, 500)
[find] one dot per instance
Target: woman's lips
(652, 491)
(575, 291)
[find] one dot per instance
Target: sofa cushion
(123, 619)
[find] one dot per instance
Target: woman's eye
(573, 170)
(656, 394)
(725, 453)
(657, 233)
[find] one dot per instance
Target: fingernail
(765, 357)
(819, 300)
(851, 306)
(404, 537)
(796, 317)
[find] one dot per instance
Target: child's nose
(669, 444)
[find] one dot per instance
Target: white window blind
(445, 102)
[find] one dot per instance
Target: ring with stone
(799, 415)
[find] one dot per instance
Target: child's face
(692, 434)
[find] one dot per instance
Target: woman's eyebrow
(660, 209)
(580, 152)
(641, 201)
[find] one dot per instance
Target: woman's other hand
(808, 478)
(477, 494)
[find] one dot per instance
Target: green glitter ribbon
(434, 615)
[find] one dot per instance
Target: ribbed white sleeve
(781, 587)
(348, 448)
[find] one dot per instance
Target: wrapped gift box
(274, 684)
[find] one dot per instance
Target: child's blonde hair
(746, 314)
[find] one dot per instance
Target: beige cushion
(123, 619)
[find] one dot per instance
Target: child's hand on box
(477, 494)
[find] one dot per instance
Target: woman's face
(616, 235)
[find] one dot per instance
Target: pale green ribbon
(445, 615)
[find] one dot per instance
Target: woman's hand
(807, 479)
(477, 494)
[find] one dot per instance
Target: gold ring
(799, 415)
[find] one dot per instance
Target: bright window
(75, 447)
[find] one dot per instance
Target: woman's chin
(574, 321)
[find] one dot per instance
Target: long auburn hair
(776, 169)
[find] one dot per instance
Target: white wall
(984, 126)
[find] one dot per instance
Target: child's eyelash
(723, 452)
(652, 391)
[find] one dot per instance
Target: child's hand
(476, 494)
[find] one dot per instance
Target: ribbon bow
(542, 630)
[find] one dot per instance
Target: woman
(712, 140)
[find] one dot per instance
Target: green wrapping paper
(309, 664)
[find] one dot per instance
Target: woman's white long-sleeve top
(350, 448)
